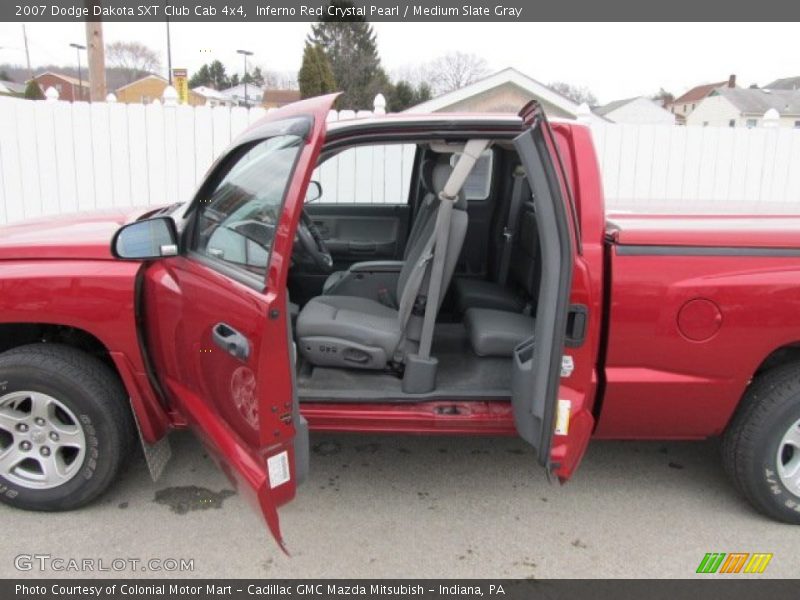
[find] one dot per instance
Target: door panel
(353, 233)
(217, 331)
(553, 373)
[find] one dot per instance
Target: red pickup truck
(495, 298)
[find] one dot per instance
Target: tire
(751, 444)
(89, 433)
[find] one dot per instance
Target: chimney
(732, 81)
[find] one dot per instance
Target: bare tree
(279, 80)
(578, 94)
(133, 59)
(455, 70)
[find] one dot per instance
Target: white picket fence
(58, 157)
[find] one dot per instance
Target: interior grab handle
(230, 340)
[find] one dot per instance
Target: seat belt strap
(448, 197)
(511, 225)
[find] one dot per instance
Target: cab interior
(375, 237)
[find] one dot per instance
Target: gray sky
(615, 60)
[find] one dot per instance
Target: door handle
(230, 340)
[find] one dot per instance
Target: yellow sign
(181, 83)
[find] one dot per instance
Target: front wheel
(65, 427)
(761, 447)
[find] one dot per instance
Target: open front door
(215, 317)
(553, 382)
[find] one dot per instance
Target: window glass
(479, 181)
(369, 174)
(236, 224)
(752, 123)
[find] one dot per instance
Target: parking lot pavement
(423, 507)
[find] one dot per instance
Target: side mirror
(147, 239)
(314, 191)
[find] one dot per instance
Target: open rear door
(216, 315)
(552, 409)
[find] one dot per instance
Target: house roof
(699, 92)
(281, 96)
(150, 76)
(612, 106)
(754, 101)
(13, 87)
(787, 83)
(253, 91)
(67, 78)
(508, 75)
(209, 92)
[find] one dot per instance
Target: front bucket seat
(351, 331)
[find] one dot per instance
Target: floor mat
(461, 374)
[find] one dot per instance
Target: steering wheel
(312, 243)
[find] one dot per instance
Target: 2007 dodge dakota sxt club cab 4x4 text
(492, 298)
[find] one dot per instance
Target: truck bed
(735, 231)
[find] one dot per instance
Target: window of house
(705, 123)
(797, 124)
(368, 174)
(732, 123)
(752, 123)
(694, 106)
(59, 88)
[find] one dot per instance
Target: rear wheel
(761, 448)
(65, 427)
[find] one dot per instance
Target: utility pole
(245, 54)
(169, 48)
(27, 52)
(78, 49)
(97, 60)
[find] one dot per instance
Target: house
(727, 107)
(236, 94)
(683, 106)
(68, 88)
(213, 97)
(503, 92)
(149, 88)
(278, 98)
(639, 110)
(10, 88)
(787, 83)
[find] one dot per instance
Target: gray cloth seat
(496, 332)
(522, 287)
(352, 331)
(338, 281)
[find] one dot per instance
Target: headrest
(441, 173)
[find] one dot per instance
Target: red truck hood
(78, 236)
(746, 231)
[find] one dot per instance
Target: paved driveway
(424, 507)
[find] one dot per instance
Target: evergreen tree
(351, 48)
(201, 77)
(315, 76)
(212, 75)
(256, 77)
(33, 91)
(403, 95)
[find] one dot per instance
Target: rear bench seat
(494, 313)
(496, 332)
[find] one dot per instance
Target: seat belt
(511, 225)
(448, 197)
